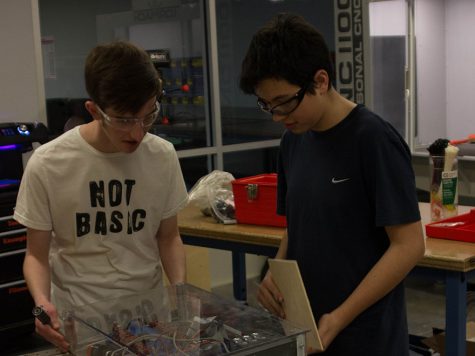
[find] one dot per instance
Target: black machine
(15, 140)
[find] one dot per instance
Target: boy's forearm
(36, 268)
(172, 255)
(37, 277)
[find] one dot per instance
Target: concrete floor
(425, 306)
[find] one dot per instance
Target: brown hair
(121, 76)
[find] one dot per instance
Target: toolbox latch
(252, 190)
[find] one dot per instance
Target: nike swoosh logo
(335, 181)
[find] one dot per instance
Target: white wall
(430, 32)
(21, 75)
(388, 18)
(460, 45)
(445, 53)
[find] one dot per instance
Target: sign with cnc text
(351, 22)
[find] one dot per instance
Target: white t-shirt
(104, 210)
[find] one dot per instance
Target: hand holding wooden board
(286, 275)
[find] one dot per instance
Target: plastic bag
(222, 205)
(213, 195)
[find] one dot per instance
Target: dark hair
(289, 48)
(121, 76)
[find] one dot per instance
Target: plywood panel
(297, 307)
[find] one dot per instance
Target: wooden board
(286, 275)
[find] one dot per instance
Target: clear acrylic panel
(178, 320)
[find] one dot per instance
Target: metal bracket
(252, 190)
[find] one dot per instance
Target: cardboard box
(255, 200)
(437, 342)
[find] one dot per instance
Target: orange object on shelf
(460, 228)
(255, 200)
(470, 138)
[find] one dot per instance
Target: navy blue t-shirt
(339, 189)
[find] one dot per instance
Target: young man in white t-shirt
(100, 201)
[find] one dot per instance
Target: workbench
(452, 262)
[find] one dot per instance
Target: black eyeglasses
(284, 108)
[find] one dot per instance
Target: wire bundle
(157, 339)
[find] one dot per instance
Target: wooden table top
(447, 254)
(192, 222)
(441, 254)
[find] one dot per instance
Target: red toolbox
(255, 200)
(460, 228)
